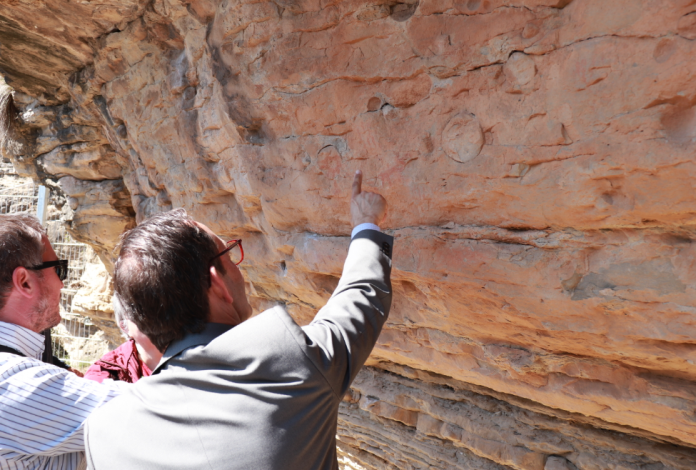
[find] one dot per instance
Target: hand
(366, 206)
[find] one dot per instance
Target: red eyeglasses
(235, 250)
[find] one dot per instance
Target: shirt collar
(209, 333)
(17, 337)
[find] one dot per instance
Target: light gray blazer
(263, 395)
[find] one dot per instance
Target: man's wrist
(364, 226)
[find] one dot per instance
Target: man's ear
(24, 282)
(218, 287)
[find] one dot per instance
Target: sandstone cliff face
(538, 160)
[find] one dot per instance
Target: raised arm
(344, 332)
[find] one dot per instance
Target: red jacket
(123, 363)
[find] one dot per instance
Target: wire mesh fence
(16, 194)
(76, 340)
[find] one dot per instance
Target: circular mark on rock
(374, 103)
(462, 138)
(403, 11)
(520, 68)
(686, 26)
(679, 123)
(473, 5)
(664, 50)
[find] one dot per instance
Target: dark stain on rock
(188, 98)
(402, 11)
(473, 5)
(122, 131)
(679, 122)
(676, 239)
(100, 101)
(656, 275)
(239, 107)
(190, 126)
(253, 134)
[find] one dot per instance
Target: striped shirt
(43, 408)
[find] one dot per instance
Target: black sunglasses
(60, 265)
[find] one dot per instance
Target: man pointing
(234, 392)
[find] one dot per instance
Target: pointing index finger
(357, 183)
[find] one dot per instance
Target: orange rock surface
(537, 155)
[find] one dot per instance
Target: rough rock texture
(402, 418)
(94, 300)
(537, 156)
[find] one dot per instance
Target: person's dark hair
(20, 245)
(162, 276)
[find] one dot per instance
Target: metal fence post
(42, 204)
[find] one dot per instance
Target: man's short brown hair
(21, 244)
(162, 276)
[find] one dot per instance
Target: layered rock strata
(401, 418)
(538, 160)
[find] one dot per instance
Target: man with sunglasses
(231, 391)
(43, 404)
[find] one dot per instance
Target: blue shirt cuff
(365, 226)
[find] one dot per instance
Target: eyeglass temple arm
(241, 249)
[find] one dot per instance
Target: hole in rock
(374, 103)
(402, 11)
(608, 198)
(122, 131)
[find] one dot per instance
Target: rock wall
(538, 160)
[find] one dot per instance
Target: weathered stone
(456, 419)
(538, 160)
(687, 26)
(462, 138)
(84, 161)
(100, 212)
(558, 463)
(93, 300)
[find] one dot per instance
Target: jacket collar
(209, 333)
